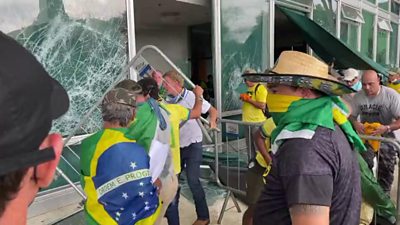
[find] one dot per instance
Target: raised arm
(195, 113)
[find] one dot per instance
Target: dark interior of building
(287, 35)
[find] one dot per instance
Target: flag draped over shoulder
(152, 131)
(148, 121)
(143, 128)
(302, 119)
(117, 181)
(308, 115)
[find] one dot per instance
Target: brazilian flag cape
(302, 119)
(147, 121)
(116, 179)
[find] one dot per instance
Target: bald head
(370, 83)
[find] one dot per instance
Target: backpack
(265, 110)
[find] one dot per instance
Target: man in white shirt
(190, 140)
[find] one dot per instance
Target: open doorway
(179, 28)
(201, 58)
(287, 35)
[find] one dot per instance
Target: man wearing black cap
(29, 100)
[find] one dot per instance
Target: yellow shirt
(266, 131)
(178, 114)
(250, 112)
(395, 87)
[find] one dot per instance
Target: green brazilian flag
(144, 126)
(325, 112)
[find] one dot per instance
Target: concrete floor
(186, 209)
(231, 216)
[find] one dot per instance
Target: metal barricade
(396, 145)
(92, 116)
(232, 151)
(95, 108)
(232, 158)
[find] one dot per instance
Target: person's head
(149, 88)
(246, 81)
(173, 82)
(394, 76)
(371, 83)
(281, 89)
(118, 108)
(129, 85)
(134, 87)
(29, 100)
(297, 76)
(351, 76)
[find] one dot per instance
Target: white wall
(173, 42)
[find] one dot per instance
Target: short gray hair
(116, 112)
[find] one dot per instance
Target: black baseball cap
(29, 101)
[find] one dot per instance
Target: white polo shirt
(190, 132)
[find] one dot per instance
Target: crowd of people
(308, 164)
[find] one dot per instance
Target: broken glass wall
(82, 44)
(325, 14)
(244, 38)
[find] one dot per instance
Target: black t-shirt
(321, 171)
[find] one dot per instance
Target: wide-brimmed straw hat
(301, 70)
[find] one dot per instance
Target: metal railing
(232, 156)
(80, 132)
(396, 145)
(233, 147)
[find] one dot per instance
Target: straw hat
(301, 70)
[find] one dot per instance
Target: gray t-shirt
(322, 171)
(383, 108)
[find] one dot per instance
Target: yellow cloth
(250, 112)
(395, 87)
(280, 103)
(369, 128)
(366, 213)
(178, 115)
(266, 130)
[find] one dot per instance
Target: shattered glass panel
(244, 45)
(82, 44)
(325, 14)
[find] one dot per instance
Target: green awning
(328, 47)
